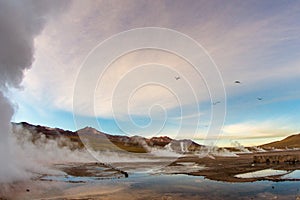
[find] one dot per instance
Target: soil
(225, 168)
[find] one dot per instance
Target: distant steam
(20, 22)
(212, 151)
(240, 147)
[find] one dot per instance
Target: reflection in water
(71, 179)
(145, 186)
(181, 167)
(192, 187)
(97, 181)
(293, 175)
(262, 173)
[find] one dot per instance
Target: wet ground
(227, 168)
(145, 186)
(188, 177)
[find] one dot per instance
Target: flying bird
(215, 103)
(177, 78)
(237, 82)
(259, 98)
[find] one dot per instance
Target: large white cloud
(259, 129)
(245, 47)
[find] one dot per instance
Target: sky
(254, 42)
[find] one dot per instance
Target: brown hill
(292, 141)
(103, 141)
(71, 139)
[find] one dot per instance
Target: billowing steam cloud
(240, 147)
(20, 22)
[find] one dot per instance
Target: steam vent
(291, 157)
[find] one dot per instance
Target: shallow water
(145, 185)
(152, 180)
(262, 173)
(192, 187)
(293, 175)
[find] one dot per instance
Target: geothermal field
(149, 99)
(57, 166)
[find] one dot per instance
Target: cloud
(247, 43)
(141, 83)
(258, 129)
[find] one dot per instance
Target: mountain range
(102, 141)
(292, 141)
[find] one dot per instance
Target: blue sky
(256, 42)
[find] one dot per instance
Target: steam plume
(20, 22)
(240, 147)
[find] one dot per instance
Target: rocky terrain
(102, 179)
(292, 141)
(226, 168)
(103, 141)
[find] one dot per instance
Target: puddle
(293, 175)
(84, 172)
(71, 179)
(183, 167)
(262, 173)
(186, 163)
